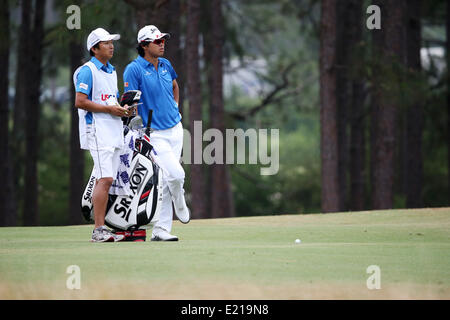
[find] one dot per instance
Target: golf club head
(130, 98)
(136, 123)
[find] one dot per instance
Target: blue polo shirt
(157, 91)
(84, 81)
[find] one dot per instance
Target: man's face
(156, 48)
(105, 50)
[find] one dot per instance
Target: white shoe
(160, 234)
(181, 210)
(103, 234)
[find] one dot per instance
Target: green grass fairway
(240, 258)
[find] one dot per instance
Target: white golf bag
(141, 209)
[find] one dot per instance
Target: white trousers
(167, 145)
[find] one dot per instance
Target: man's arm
(82, 102)
(176, 91)
(83, 88)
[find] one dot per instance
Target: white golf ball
(298, 241)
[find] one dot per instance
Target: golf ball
(298, 240)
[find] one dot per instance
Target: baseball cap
(150, 33)
(98, 35)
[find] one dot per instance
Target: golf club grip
(149, 121)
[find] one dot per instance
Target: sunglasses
(159, 41)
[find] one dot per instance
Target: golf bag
(129, 214)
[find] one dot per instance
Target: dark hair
(140, 48)
(92, 52)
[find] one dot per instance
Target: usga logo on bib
(107, 96)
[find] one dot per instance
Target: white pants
(167, 145)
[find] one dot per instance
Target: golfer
(156, 78)
(100, 124)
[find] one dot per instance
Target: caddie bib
(106, 128)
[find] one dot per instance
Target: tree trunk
(376, 79)
(205, 27)
(343, 93)
(77, 182)
(20, 101)
(328, 109)
(221, 197)
(415, 114)
(31, 216)
(155, 12)
(358, 119)
(195, 107)
(448, 97)
(385, 134)
(152, 12)
(174, 53)
(8, 216)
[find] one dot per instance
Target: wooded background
(363, 114)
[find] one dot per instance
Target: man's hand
(82, 101)
(119, 111)
(132, 110)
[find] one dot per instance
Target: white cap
(98, 35)
(150, 33)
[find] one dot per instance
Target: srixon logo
(90, 188)
(136, 181)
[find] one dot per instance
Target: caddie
(156, 78)
(100, 124)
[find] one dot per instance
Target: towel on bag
(121, 184)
